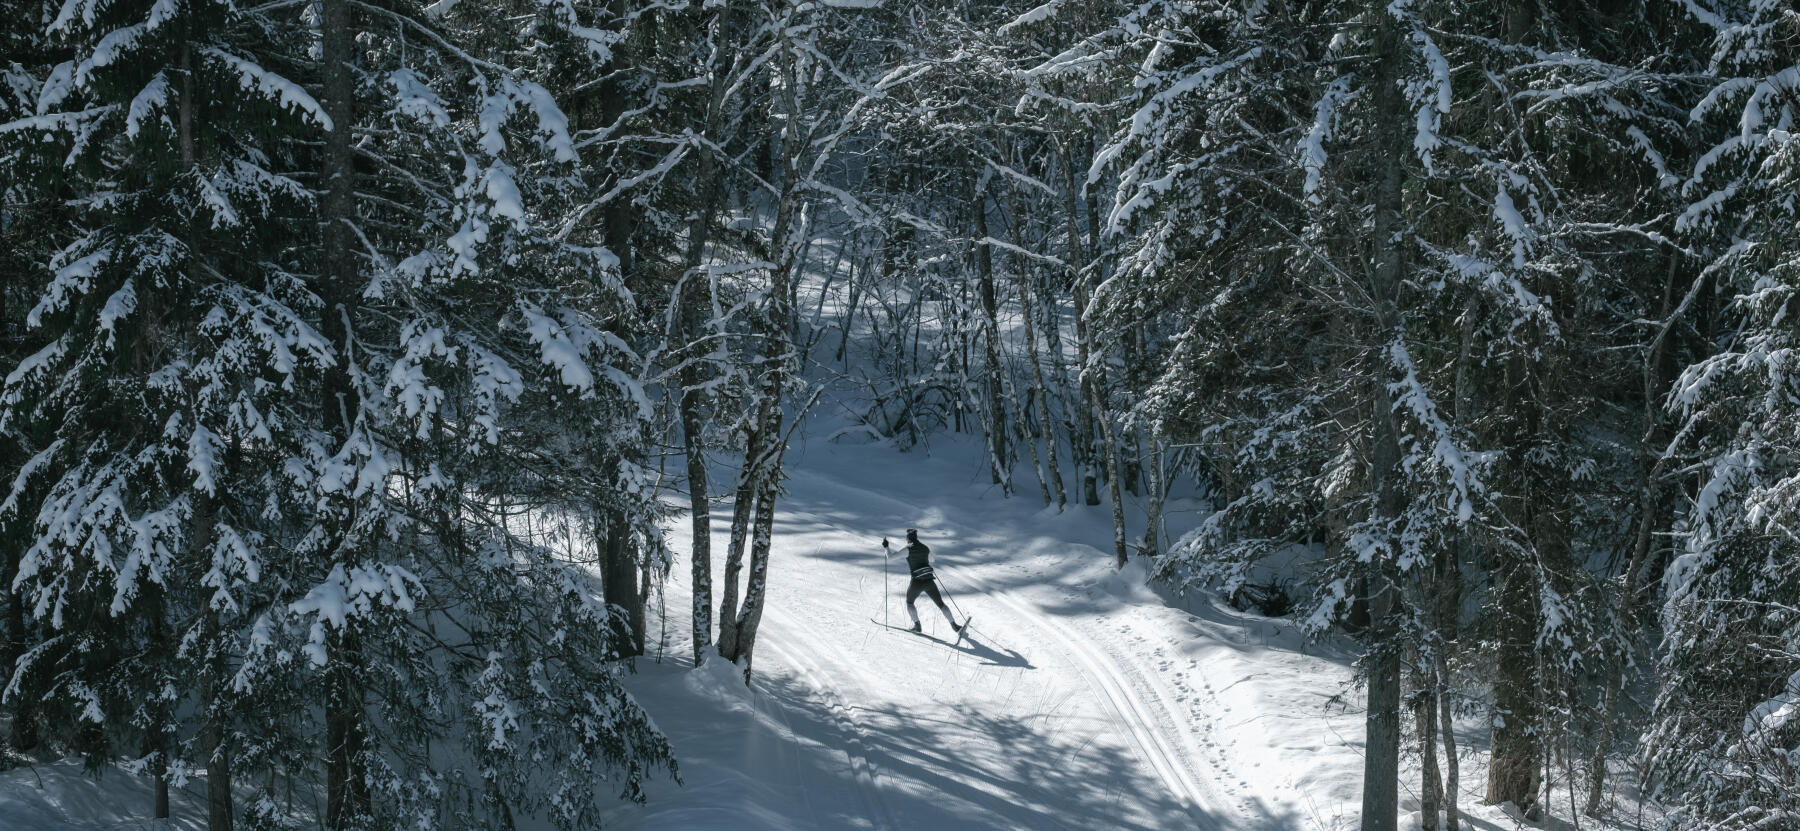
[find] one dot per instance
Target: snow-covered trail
(1078, 699)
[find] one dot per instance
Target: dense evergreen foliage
(342, 344)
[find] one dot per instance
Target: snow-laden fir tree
(483, 383)
(154, 412)
(1381, 271)
(1725, 730)
(320, 372)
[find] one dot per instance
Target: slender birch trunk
(990, 344)
(696, 301)
(1083, 440)
(1050, 474)
(762, 479)
(1159, 494)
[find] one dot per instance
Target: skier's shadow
(993, 657)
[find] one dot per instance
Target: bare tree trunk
(762, 479)
(1649, 472)
(990, 343)
(619, 583)
(1131, 447)
(1121, 548)
(1425, 716)
(1447, 591)
(1022, 435)
(1158, 495)
(741, 509)
(1381, 761)
(694, 448)
(1049, 317)
(1083, 440)
(347, 794)
(1452, 766)
(761, 540)
(1047, 473)
(1041, 397)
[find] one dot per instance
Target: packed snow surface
(1078, 699)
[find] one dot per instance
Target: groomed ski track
(1078, 700)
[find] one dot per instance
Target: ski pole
(885, 557)
(946, 590)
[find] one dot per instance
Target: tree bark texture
(1381, 762)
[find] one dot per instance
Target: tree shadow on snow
(943, 765)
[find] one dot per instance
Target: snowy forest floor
(1080, 698)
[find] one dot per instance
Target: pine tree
(1723, 729)
(392, 373)
(1384, 261)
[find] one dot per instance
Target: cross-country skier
(918, 559)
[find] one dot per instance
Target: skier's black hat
(912, 533)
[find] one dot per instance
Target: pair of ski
(960, 632)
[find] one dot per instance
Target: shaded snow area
(1079, 699)
(60, 797)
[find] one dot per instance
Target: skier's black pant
(928, 586)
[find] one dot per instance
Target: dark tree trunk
(1425, 717)
(997, 422)
(1452, 767)
(220, 810)
(1657, 368)
(1082, 441)
(742, 507)
(619, 582)
(1381, 761)
(347, 798)
(347, 793)
(24, 734)
(1517, 751)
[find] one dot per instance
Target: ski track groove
(1114, 684)
(1169, 694)
(790, 757)
(1208, 718)
(879, 813)
(1116, 687)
